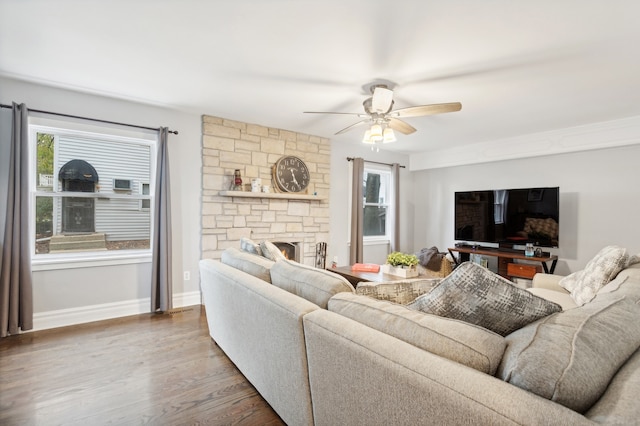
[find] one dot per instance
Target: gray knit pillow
(250, 246)
(476, 295)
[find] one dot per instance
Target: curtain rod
(175, 132)
(375, 162)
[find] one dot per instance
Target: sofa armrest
(548, 281)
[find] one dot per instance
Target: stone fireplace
(228, 145)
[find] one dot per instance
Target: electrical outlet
(187, 275)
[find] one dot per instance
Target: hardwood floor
(145, 369)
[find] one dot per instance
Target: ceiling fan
(378, 112)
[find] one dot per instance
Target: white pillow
(583, 285)
(271, 251)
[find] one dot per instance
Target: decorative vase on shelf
(528, 250)
(237, 180)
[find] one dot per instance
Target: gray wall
(74, 288)
(599, 199)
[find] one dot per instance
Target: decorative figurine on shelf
(237, 181)
(528, 250)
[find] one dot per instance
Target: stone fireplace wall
(228, 145)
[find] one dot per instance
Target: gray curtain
(16, 292)
(395, 205)
(161, 285)
(357, 212)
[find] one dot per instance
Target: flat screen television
(508, 216)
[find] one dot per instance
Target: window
(377, 196)
(145, 204)
(78, 210)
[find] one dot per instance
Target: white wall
(599, 199)
(105, 287)
(339, 196)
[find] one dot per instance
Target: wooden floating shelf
(272, 195)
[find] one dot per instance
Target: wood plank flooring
(148, 369)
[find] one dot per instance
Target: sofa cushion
(248, 245)
(570, 357)
(464, 343)
(583, 285)
(622, 286)
(401, 292)
(271, 251)
(315, 285)
(476, 295)
(563, 299)
(247, 262)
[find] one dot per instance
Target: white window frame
(386, 171)
(52, 261)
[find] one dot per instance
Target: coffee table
(354, 277)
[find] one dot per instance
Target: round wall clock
(291, 174)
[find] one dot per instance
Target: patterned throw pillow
(476, 295)
(250, 246)
(401, 292)
(271, 251)
(583, 285)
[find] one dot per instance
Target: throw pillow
(467, 344)
(270, 251)
(401, 292)
(474, 294)
(571, 357)
(248, 245)
(430, 258)
(583, 285)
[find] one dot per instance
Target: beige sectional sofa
(321, 354)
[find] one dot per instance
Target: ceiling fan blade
(359, 114)
(359, 123)
(401, 126)
(417, 111)
(382, 100)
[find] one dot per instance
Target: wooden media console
(507, 267)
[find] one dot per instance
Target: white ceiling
(517, 67)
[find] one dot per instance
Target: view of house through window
(91, 192)
(376, 202)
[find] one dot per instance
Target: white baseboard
(84, 314)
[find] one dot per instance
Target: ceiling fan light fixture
(388, 135)
(367, 138)
(376, 132)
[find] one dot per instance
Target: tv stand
(507, 256)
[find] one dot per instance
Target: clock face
(291, 174)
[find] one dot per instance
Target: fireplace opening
(290, 250)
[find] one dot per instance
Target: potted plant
(401, 264)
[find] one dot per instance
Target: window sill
(88, 260)
(372, 241)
